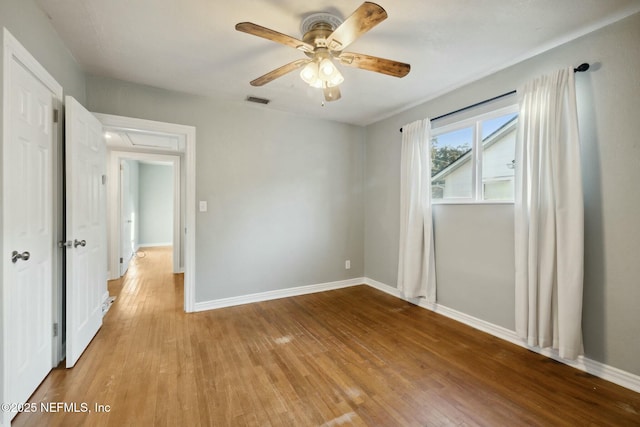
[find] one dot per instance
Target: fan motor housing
(317, 27)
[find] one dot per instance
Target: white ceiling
(192, 46)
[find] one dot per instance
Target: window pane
(498, 157)
(451, 168)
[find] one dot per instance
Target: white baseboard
(280, 293)
(153, 245)
(598, 369)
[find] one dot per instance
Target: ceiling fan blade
(373, 63)
(279, 72)
(266, 33)
(332, 93)
(367, 16)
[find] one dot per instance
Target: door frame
(115, 209)
(188, 170)
(13, 50)
(125, 239)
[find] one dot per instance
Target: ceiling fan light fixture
(335, 79)
(310, 73)
(325, 36)
(321, 73)
(327, 69)
(318, 84)
(332, 93)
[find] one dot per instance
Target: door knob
(15, 256)
(77, 243)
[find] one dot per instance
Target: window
(473, 160)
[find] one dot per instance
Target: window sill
(473, 202)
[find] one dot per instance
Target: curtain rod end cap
(581, 68)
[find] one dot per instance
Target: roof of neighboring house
(491, 139)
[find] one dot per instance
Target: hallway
(133, 363)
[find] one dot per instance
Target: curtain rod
(579, 69)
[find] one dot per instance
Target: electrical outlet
(203, 206)
(347, 264)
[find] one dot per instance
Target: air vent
(258, 100)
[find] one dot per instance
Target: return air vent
(258, 100)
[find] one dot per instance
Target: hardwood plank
(353, 356)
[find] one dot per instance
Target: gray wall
(27, 23)
(284, 192)
(134, 195)
(474, 254)
(156, 204)
(474, 260)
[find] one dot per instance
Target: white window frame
(501, 179)
(474, 122)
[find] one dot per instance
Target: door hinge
(121, 260)
(55, 115)
(55, 329)
(104, 179)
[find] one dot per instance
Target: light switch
(203, 205)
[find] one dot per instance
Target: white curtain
(416, 265)
(549, 216)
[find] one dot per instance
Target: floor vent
(258, 100)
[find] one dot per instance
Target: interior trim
(593, 367)
(276, 294)
(189, 132)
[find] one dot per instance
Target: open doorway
(150, 206)
(149, 144)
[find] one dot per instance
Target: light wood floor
(347, 357)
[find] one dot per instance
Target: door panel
(86, 227)
(28, 213)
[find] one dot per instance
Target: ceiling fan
(325, 38)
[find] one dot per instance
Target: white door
(28, 233)
(86, 227)
(126, 217)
